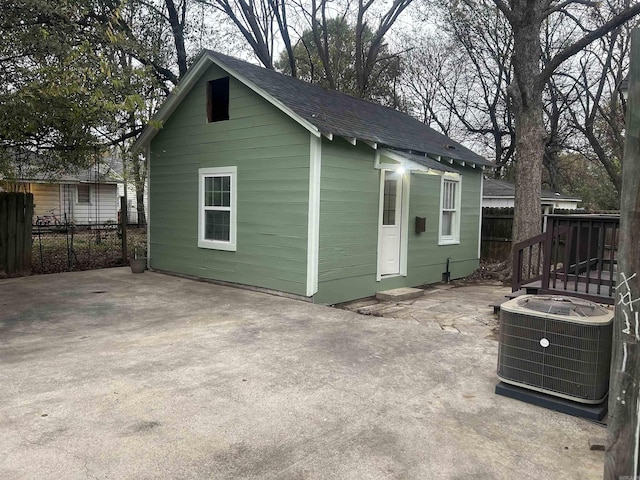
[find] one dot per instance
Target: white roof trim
(408, 163)
(561, 199)
(552, 199)
(187, 83)
(113, 181)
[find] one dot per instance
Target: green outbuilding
(262, 180)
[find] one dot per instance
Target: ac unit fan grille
(575, 364)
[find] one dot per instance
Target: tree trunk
(526, 93)
(529, 148)
(623, 445)
(321, 39)
(177, 29)
(359, 53)
(142, 217)
(139, 180)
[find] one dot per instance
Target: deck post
(548, 246)
(623, 442)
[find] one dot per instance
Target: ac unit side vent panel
(573, 362)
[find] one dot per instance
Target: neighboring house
(260, 179)
(126, 186)
(501, 193)
(132, 200)
(88, 197)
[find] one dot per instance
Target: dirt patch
(499, 271)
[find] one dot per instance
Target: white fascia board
(171, 103)
(313, 218)
(556, 199)
(412, 166)
(396, 157)
(268, 97)
(392, 155)
(379, 165)
(409, 165)
(452, 175)
(187, 83)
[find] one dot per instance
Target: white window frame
(217, 172)
(454, 238)
(90, 188)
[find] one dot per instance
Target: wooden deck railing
(577, 255)
(528, 260)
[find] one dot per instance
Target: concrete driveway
(106, 374)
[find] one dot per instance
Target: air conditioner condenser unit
(556, 345)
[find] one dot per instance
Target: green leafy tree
(62, 90)
(586, 178)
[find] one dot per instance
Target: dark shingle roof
(503, 188)
(35, 173)
(340, 114)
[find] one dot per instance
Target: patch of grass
(54, 252)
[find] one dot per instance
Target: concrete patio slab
(106, 374)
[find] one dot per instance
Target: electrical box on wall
(421, 224)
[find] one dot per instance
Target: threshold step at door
(399, 294)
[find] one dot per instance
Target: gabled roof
(32, 174)
(494, 188)
(323, 111)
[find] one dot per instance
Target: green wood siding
(349, 226)
(426, 259)
(348, 221)
(271, 153)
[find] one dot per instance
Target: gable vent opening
(218, 100)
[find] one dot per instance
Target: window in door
(389, 201)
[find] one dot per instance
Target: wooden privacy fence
(497, 228)
(497, 225)
(16, 213)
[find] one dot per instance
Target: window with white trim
(217, 205)
(450, 211)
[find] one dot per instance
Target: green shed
(260, 179)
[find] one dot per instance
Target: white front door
(390, 223)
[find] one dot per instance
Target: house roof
(494, 188)
(325, 112)
(32, 174)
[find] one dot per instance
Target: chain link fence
(64, 248)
